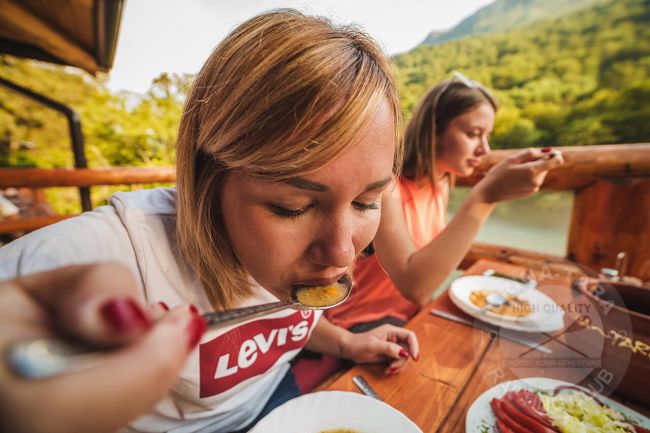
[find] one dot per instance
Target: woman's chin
(465, 171)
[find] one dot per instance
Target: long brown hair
(281, 96)
(447, 100)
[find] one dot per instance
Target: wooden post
(610, 217)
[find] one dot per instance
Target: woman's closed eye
(288, 212)
(296, 212)
(365, 207)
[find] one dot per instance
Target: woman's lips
(473, 163)
(319, 281)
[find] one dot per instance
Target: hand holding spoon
(45, 357)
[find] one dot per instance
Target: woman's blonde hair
(280, 97)
(444, 102)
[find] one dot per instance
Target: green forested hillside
(580, 79)
(503, 15)
(118, 129)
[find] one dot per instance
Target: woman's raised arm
(418, 273)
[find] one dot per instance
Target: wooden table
(458, 362)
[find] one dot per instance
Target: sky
(178, 35)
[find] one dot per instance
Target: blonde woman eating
(289, 137)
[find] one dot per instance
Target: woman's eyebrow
(302, 183)
(379, 184)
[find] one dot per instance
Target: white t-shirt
(231, 375)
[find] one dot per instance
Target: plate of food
(335, 412)
(525, 309)
(539, 404)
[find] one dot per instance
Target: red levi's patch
(250, 350)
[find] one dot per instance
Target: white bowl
(328, 410)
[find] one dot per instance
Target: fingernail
(124, 315)
(391, 371)
(195, 330)
(163, 305)
(194, 310)
(546, 149)
(417, 357)
(403, 353)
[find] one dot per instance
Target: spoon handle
(46, 357)
(220, 319)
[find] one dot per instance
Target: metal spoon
(220, 319)
(45, 357)
(493, 300)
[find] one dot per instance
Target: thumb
(97, 303)
(546, 163)
(524, 156)
(124, 383)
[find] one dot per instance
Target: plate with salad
(542, 405)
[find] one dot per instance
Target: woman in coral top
(270, 195)
(414, 250)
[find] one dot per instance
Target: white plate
(547, 315)
(480, 419)
(327, 410)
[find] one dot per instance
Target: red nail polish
(195, 330)
(546, 149)
(124, 315)
(163, 305)
(194, 310)
(391, 371)
(403, 353)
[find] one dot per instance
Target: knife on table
(492, 329)
(365, 387)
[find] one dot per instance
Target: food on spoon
(321, 296)
(563, 410)
(514, 306)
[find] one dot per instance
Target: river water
(538, 223)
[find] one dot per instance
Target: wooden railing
(43, 178)
(30, 224)
(611, 210)
(611, 206)
(583, 165)
(80, 177)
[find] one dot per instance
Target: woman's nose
(484, 147)
(334, 246)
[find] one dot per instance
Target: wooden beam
(29, 224)
(583, 165)
(538, 262)
(26, 24)
(41, 178)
